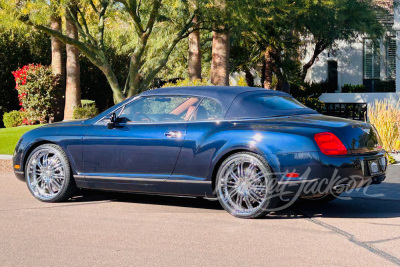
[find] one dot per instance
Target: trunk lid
(358, 137)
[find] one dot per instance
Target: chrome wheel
(244, 185)
(46, 173)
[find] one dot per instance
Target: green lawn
(10, 136)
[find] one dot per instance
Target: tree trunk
(269, 62)
(194, 60)
(73, 86)
(220, 58)
(249, 77)
(319, 47)
(57, 66)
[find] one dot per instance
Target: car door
(145, 142)
(203, 139)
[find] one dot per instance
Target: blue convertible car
(247, 146)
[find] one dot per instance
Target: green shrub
(313, 90)
(391, 159)
(313, 103)
(13, 119)
(36, 86)
(350, 88)
(386, 86)
(87, 111)
(188, 82)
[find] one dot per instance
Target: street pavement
(97, 228)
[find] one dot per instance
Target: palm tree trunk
(220, 58)
(268, 71)
(57, 66)
(73, 85)
(194, 60)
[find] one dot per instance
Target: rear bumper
(321, 174)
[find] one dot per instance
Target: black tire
(268, 200)
(67, 184)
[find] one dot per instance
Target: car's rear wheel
(245, 186)
(48, 174)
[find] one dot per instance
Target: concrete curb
(6, 157)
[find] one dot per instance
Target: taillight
(330, 144)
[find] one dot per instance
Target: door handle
(173, 134)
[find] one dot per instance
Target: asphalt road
(125, 229)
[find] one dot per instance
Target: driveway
(98, 228)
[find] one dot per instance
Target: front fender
(68, 137)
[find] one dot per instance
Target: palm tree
(73, 85)
(220, 50)
(194, 59)
(57, 65)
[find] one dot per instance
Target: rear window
(258, 105)
(278, 102)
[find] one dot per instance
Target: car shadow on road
(188, 202)
(355, 207)
(382, 201)
(376, 201)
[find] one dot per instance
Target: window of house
(391, 57)
(372, 62)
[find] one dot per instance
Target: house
(361, 63)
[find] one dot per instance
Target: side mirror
(113, 119)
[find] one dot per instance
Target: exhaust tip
(341, 187)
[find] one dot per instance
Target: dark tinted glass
(279, 102)
(258, 105)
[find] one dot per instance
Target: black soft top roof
(224, 94)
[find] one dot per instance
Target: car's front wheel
(48, 174)
(245, 186)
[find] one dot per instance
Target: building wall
(367, 98)
(349, 57)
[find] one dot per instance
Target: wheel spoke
(255, 196)
(232, 175)
(45, 160)
(233, 192)
(56, 184)
(240, 169)
(256, 178)
(247, 201)
(49, 189)
(250, 169)
(239, 201)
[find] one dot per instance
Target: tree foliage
(147, 30)
(134, 42)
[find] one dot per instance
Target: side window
(159, 108)
(208, 109)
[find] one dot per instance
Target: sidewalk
(6, 163)
(6, 157)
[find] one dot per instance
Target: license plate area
(374, 167)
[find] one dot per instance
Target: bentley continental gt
(248, 147)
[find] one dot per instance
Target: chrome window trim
(98, 122)
(201, 98)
